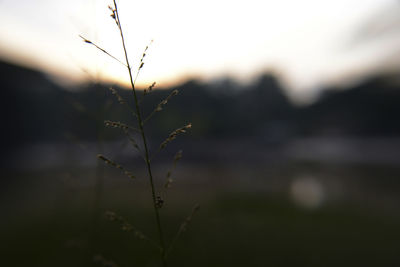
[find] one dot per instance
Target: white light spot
(307, 192)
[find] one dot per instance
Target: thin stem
(101, 49)
(182, 228)
(146, 150)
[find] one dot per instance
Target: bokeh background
(294, 153)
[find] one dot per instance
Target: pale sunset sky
(308, 44)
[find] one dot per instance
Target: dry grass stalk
(157, 200)
(116, 165)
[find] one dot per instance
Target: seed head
(159, 202)
(174, 134)
(118, 96)
(116, 165)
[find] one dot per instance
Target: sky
(308, 44)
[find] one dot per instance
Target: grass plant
(132, 132)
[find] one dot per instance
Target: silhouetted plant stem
(146, 150)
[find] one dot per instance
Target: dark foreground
(249, 217)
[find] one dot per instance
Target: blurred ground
(272, 215)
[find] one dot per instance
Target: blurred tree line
(35, 110)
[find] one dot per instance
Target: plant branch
(101, 49)
(146, 150)
(182, 228)
(128, 227)
(160, 106)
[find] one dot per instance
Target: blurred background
(294, 153)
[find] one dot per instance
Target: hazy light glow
(303, 41)
(307, 192)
